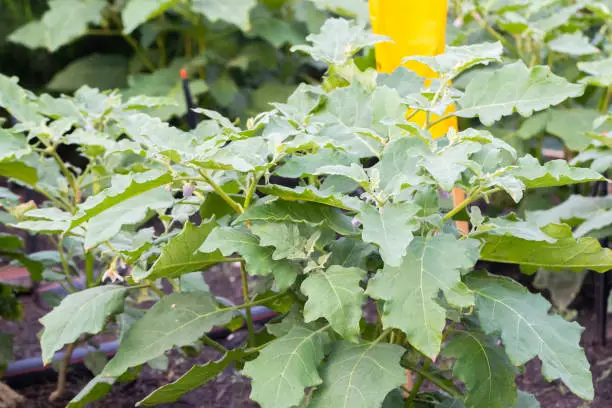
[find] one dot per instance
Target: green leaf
(526, 230)
(527, 331)
(526, 400)
(180, 255)
(566, 252)
(447, 165)
(312, 214)
(350, 252)
(108, 224)
(575, 44)
(79, 313)
(575, 207)
(12, 145)
(399, 165)
(335, 294)
(137, 12)
(95, 389)
(17, 101)
(338, 40)
(103, 71)
(552, 174)
(291, 241)
(311, 194)
(258, 258)
(357, 9)
(389, 227)
(235, 12)
(492, 95)
(455, 60)
(484, 368)
(411, 288)
(65, 21)
(197, 376)
(176, 320)
(600, 71)
(123, 188)
(6, 350)
(359, 375)
(286, 367)
(19, 171)
(571, 125)
(298, 166)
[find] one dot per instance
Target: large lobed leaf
(359, 375)
(527, 331)
(410, 289)
(335, 294)
(286, 367)
(566, 252)
(492, 95)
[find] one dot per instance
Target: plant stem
(155, 289)
(604, 102)
(417, 384)
(64, 262)
(89, 268)
(441, 119)
(485, 25)
(141, 54)
(63, 371)
(210, 342)
(249, 194)
(462, 205)
(237, 207)
(451, 390)
(246, 299)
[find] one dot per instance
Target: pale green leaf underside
(79, 313)
(176, 320)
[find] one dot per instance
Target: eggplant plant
(359, 254)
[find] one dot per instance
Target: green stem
(246, 299)
(251, 191)
(604, 102)
(474, 196)
(237, 207)
(155, 289)
(210, 342)
(64, 262)
(89, 268)
(141, 54)
(451, 390)
(443, 118)
(417, 384)
(486, 26)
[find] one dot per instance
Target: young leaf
(350, 252)
(286, 367)
(566, 252)
(176, 320)
(123, 188)
(455, 60)
(519, 229)
(17, 101)
(527, 330)
(312, 194)
(335, 294)
(399, 164)
(447, 165)
(359, 375)
(575, 44)
(65, 21)
(411, 288)
(389, 227)
(492, 95)
(137, 12)
(180, 255)
(291, 241)
(484, 368)
(81, 312)
(338, 40)
(258, 258)
(197, 376)
(104, 226)
(552, 174)
(235, 12)
(312, 214)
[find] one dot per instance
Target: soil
(231, 390)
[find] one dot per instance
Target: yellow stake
(417, 27)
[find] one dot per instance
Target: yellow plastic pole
(417, 27)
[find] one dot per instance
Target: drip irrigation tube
(29, 370)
